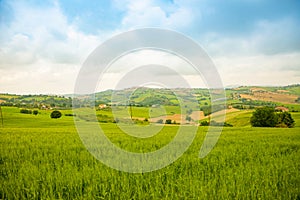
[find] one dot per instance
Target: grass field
(140, 112)
(43, 158)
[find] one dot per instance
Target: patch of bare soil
(271, 96)
(175, 117)
(283, 91)
(197, 115)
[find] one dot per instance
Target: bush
(25, 111)
(225, 124)
(35, 112)
(55, 114)
(160, 121)
(168, 121)
(285, 120)
(204, 123)
(214, 123)
(264, 117)
(267, 117)
(188, 118)
(70, 115)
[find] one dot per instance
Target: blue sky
(44, 43)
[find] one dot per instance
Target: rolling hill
(149, 103)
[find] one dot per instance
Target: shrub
(55, 114)
(25, 111)
(285, 120)
(267, 117)
(227, 124)
(214, 123)
(204, 123)
(188, 118)
(168, 121)
(264, 117)
(70, 115)
(35, 112)
(160, 121)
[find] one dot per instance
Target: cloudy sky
(43, 44)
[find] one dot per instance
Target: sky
(43, 44)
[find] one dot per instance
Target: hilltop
(242, 97)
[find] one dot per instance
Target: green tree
(35, 112)
(25, 111)
(264, 117)
(190, 111)
(55, 114)
(160, 121)
(168, 121)
(204, 123)
(285, 120)
(188, 118)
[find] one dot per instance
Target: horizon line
(110, 89)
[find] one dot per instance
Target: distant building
(102, 106)
(281, 109)
(43, 107)
(155, 106)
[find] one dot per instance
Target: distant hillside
(252, 96)
(36, 101)
(243, 97)
(148, 96)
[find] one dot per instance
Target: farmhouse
(281, 109)
(102, 106)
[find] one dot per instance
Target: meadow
(44, 158)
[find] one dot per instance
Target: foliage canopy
(55, 114)
(267, 117)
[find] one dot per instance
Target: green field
(43, 158)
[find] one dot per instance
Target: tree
(285, 120)
(160, 121)
(264, 117)
(55, 114)
(168, 121)
(204, 123)
(25, 111)
(188, 118)
(190, 111)
(267, 117)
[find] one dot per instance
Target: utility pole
(130, 105)
(1, 115)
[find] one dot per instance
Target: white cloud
(145, 66)
(279, 69)
(17, 51)
(40, 52)
(152, 13)
(40, 77)
(268, 55)
(49, 36)
(148, 56)
(266, 38)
